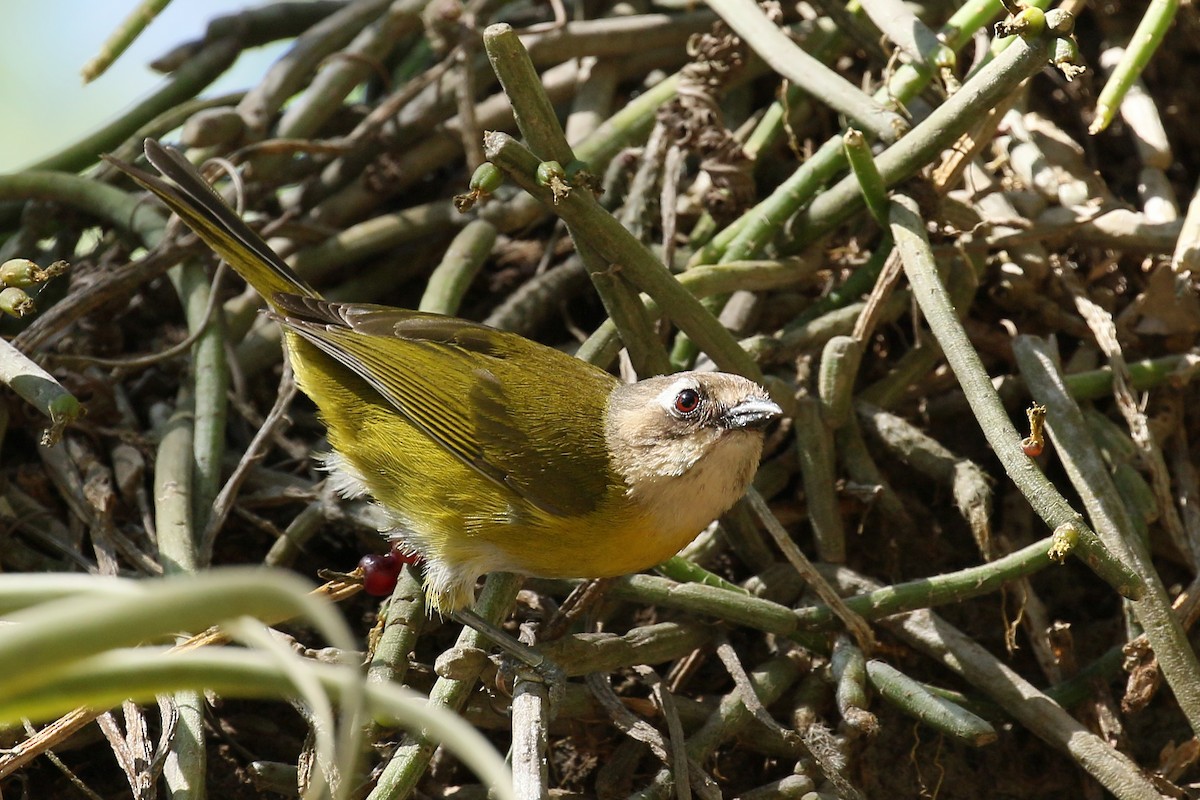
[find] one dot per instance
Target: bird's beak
(753, 413)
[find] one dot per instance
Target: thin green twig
(1142, 47)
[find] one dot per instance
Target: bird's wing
(537, 431)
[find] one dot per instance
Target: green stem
(1144, 44)
(866, 172)
(120, 39)
(787, 59)
(291, 73)
(617, 246)
(938, 639)
(122, 209)
(40, 389)
(210, 383)
(628, 314)
(747, 236)
(532, 109)
(401, 774)
(1020, 60)
(373, 43)
(536, 118)
(942, 715)
(1090, 476)
(908, 229)
(464, 258)
(173, 494)
(814, 446)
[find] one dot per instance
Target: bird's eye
(687, 401)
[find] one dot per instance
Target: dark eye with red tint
(687, 401)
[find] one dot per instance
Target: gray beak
(753, 413)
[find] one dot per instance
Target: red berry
(379, 573)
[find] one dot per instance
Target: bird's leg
(521, 652)
(531, 664)
(582, 600)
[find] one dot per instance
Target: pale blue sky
(43, 101)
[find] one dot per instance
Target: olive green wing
(504, 406)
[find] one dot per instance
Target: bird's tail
(207, 213)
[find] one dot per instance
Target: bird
(485, 450)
